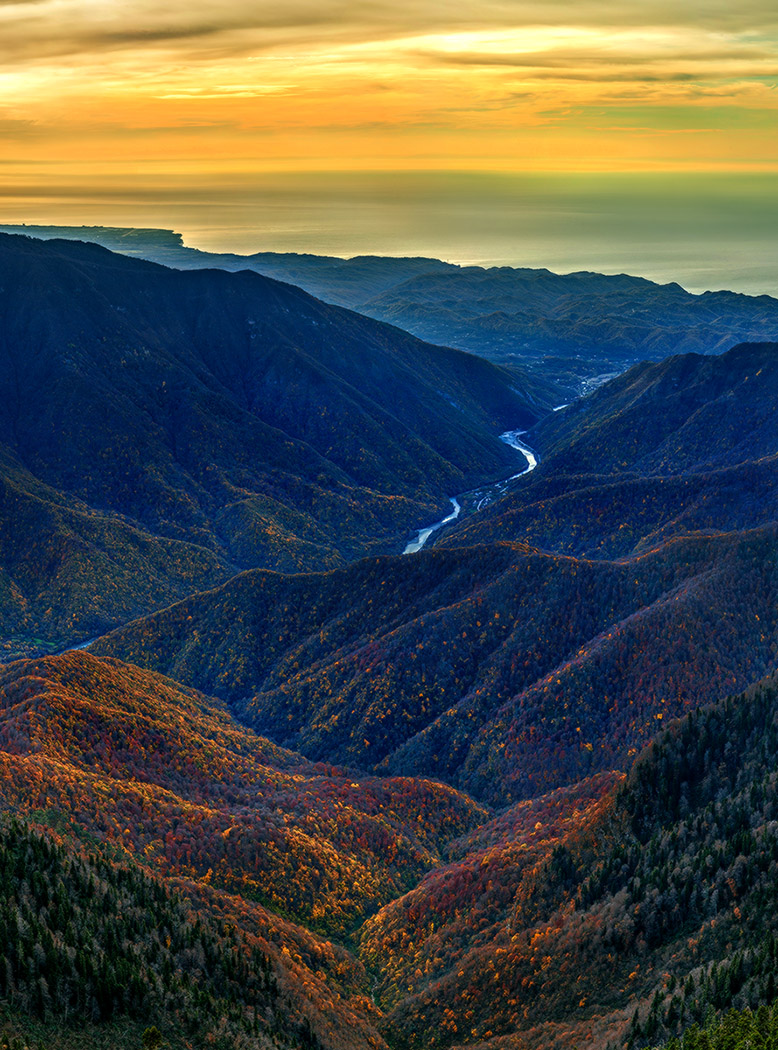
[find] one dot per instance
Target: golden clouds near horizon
(511, 86)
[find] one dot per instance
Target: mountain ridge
(226, 419)
(502, 660)
(569, 331)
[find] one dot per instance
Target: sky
(609, 134)
(192, 87)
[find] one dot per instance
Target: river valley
(481, 497)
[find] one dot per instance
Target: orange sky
(140, 88)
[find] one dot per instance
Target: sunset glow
(204, 87)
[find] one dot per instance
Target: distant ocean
(703, 231)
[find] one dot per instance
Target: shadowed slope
(211, 421)
(505, 671)
(509, 668)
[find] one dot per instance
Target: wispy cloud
(45, 28)
(323, 79)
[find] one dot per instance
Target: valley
(478, 498)
(207, 422)
(276, 774)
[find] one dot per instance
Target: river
(480, 497)
(475, 499)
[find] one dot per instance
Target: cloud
(140, 81)
(62, 28)
(35, 29)
(577, 67)
(576, 54)
(562, 58)
(12, 128)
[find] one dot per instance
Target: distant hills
(161, 430)
(569, 331)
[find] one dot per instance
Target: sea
(706, 231)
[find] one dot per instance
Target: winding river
(477, 498)
(424, 534)
(483, 496)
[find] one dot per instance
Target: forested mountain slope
(160, 430)
(503, 670)
(168, 777)
(685, 446)
(688, 413)
(195, 858)
(98, 952)
(612, 912)
(626, 921)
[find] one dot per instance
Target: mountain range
(512, 657)
(616, 908)
(569, 331)
(515, 791)
(161, 430)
